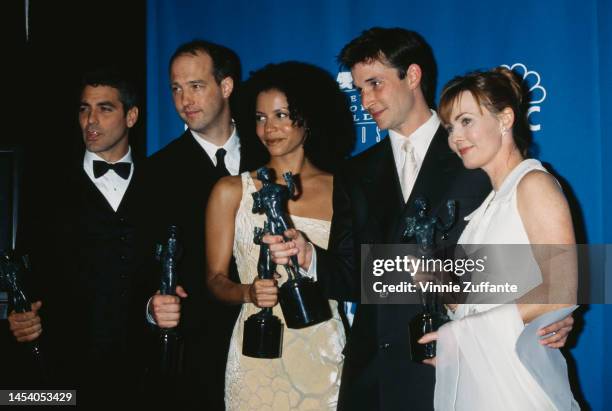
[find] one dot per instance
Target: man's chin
(192, 123)
(95, 148)
(381, 125)
(193, 126)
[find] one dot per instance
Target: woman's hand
(427, 338)
(555, 335)
(296, 244)
(264, 293)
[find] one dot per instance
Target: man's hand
(166, 309)
(296, 245)
(26, 326)
(557, 332)
(264, 293)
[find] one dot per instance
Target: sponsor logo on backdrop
(537, 93)
(367, 131)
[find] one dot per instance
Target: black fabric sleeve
(338, 266)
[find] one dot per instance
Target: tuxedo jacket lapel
(90, 193)
(196, 154)
(431, 180)
(382, 188)
(130, 193)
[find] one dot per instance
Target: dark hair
(398, 48)
(495, 89)
(225, 61)
(115, 78)
(315, 102)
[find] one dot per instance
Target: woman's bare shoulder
(544, 209)
(539, 185)
(323, 177)
(227, 188)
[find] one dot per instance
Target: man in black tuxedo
(84, 254)
(395, 72)
(203, 78)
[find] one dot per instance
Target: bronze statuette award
(263, 332)
(301, 299)
(423, 229)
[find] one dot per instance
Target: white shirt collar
(111, 185)
(211, 149)
(421, 139)
(231, 146)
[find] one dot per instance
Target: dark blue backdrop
(563, 48)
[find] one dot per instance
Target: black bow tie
(101, 167)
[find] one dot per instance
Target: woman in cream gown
(303, 121)
(477, 364)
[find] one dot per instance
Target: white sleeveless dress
(307, 377)
(477, 364)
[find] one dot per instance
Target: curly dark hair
(315, 102)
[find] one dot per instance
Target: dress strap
(248, 185)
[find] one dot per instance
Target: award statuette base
(170, 353)
(303, 303)
(263, 336)
(421, 324)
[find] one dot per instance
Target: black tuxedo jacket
(87, 271)
(369, 209)
(180, 178)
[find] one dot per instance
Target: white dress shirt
(111, 185)
(421, 139)
(231, 146)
